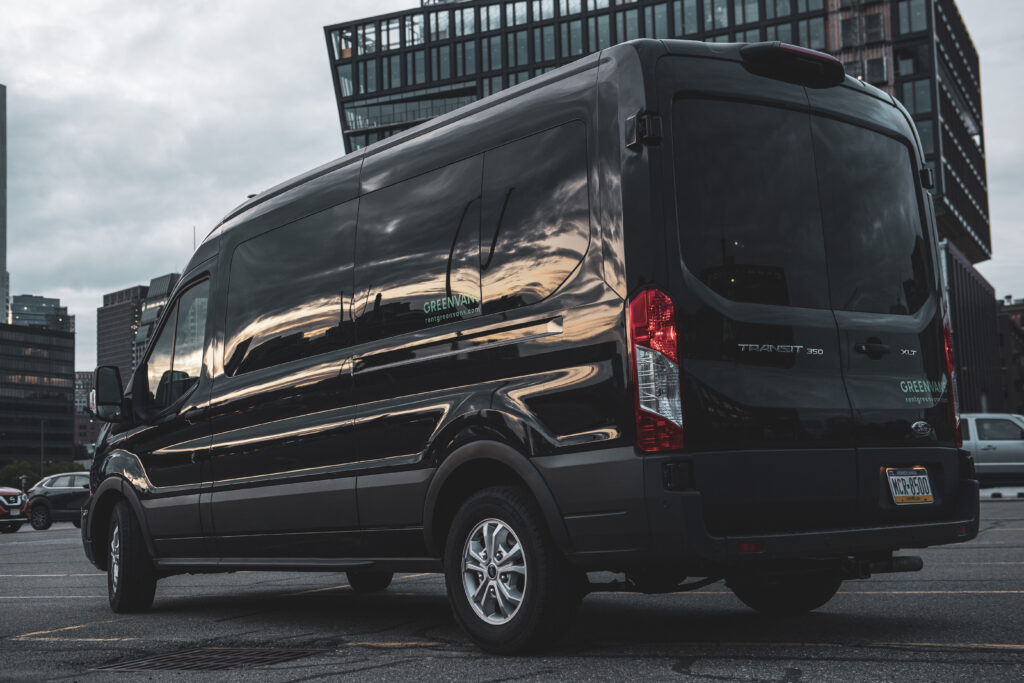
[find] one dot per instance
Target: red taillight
(654, 357)
(954, 401)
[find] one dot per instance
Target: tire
(369, 581)
(10, 528)
(547, 589)
(131, 578)
(77, 523)
(39, 517)
(788, 595)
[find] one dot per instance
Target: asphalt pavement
(961, 618)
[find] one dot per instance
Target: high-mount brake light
(793, 64)
(657, 385)
(947, 338)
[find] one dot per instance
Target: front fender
(121, 471)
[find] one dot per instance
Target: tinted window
(535, 225)
(999, 430)
(877, 257)
(176, 359)
(60, 482)
(965, 429)
(750, 226)
(289, 293)
(158, 367)
(189, 336)
(417, 251)
(80, 481)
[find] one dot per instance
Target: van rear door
(884, 292)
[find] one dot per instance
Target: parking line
(45, 636)
(37, 576)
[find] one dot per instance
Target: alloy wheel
(494, 571)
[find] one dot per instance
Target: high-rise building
(397, 70)
(29, 310)
(37, 393)
(1011, 354)
(117, 324)
(156, 298)
(5, 278)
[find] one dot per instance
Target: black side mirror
(107, 399)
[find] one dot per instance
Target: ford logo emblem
(921, 428)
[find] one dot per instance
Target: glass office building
(394, 71)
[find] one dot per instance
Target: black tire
(787, 595)
(39, 517)
(10, 528)
(131, 578)
(77, 522)
(549, 590)
(369, 581)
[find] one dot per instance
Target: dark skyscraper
(5, 279)
(156, 297)
(37, 393)
(29, 310)
(394, 71)
(117, 325)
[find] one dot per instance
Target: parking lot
(962, 618)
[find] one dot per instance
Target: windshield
(777, 206)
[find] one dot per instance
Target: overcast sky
(130, 122)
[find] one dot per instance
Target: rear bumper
(692, 541)
(627, 516)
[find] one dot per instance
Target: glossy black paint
(446, 309)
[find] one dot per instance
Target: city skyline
(174, 124)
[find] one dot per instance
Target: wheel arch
(473, 467)
(112, 490)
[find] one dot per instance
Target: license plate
(909, 486)
(15, 511)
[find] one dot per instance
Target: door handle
(872, 350)
(990, 447)
(196, 456)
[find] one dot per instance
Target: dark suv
(58, 498)
(670, 311)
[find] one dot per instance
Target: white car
(997, 442)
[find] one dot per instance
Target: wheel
(786, 595)
(40, 517)
(10, 528)
(131, 579)
(510, 588)
(369, 581)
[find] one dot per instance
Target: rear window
(776, 206)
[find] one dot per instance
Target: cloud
(131, 122)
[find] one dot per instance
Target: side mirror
(107, 397)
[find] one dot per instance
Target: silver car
(997, 442)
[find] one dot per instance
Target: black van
(669, 311)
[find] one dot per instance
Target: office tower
(117, 325)
(5, 279)
(29, 310)
(394, 71)
(37, 393)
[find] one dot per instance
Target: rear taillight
(654, 356)
(954, 401)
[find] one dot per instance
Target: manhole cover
(213, 659)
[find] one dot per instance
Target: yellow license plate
(910, 485)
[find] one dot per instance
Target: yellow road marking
(410, 643)
(46, 636)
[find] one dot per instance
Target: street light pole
(42, 445)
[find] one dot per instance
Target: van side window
(416, 252)
(535, 225)
(289, 292)
(174, 364)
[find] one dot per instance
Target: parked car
(997, 442)
(12, 509)
(670, 311)
(58, 498)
